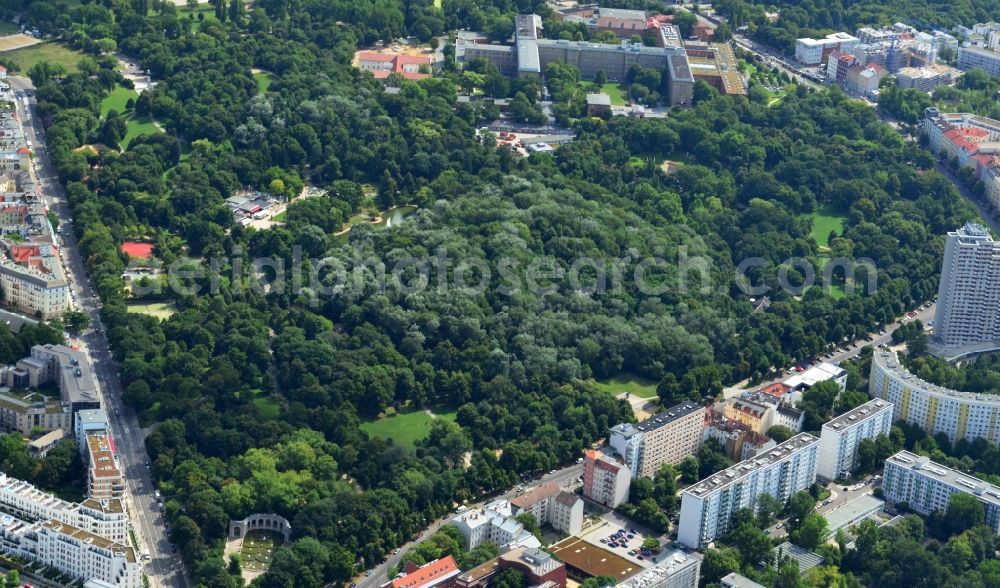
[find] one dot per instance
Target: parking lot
(625, 535)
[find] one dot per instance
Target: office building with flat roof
(69, 369)
(853, 513)
(676, 569)
(840, 438)
(926, 486)
(959, 415)
(708, 506)
(987, 60)
(666, 438)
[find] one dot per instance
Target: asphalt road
(379, 573)
(165, 568)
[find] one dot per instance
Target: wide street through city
(165, 568)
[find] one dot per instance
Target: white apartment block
(666, 438)
(978, 57)
(550, 505)
(840, 438)
(39, 289)
(676, 570)
(493, 523)
(708, 506)
(959, 415)
(814, 51)
(605, 480)
(106, 518)
(968, 309)
(926, 486)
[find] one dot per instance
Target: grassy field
(8, 28)
(263, 81)
(280, 217)
(54, 53)
(117, 100)
(268, 406)
(138, 126)
(636, 385)
(404, 428)
(824, 221)
(161, 310)
(258, 548)
(207, 9)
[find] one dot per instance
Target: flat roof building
(841, 436)
(585, 560)
(666, 438)
(926, 486)
(707, 507)
(852, 513)
(959, 415)
(734, 580)
(676, 569)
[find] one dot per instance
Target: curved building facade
(959, 415)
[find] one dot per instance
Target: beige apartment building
(668, 437)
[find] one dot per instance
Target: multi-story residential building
(959, 415)
(756, 416)
(968, 309)
(89, 421)
(924, 79)
(666, 438)
(69, 369)
(840, 438)
(926, 486)
(605, 480)
(708, 506)
(26, 411)
(815, 51)
(675, 570)
(550, 505)
(494, 523)
(34, 284)
(789, 416)
(978, 57)
(106, 518)
(973, 140)
(105, 478)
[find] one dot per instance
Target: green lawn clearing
(161, 310)
(206, 10)
(641, 387)
(258, 549)
(8, 28)
(268, 406)
(54, 53)
(117, 100)
(138, 126)
(825, 220)
(404, 428)
(612, 89)
(263, 81)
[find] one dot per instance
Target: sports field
(404, 428)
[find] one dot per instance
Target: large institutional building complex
(668, 437)
(968, 309)
(708, 506)
(683, 65)
(959, 415)
(926, 486)
(838, 443)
